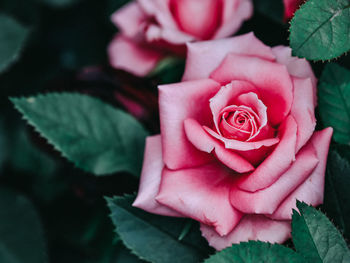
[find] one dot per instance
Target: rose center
(238, 122)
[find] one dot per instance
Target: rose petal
(235, 12)
(203, 57)
(226, 96)
(242, 146)
(251, 227)
(160, 11)
(201, 193)
(132, 57)
(303, 110)
(178, 102)
(312, 190)
(199, 18)
(297, 67)
(276, 163)
(150, 179)
(290, 6)
(129, 19)
(165, 37)
(204, 142)
(267, 200)
(272, 80)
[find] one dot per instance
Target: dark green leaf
(334, 101)
(155, 238)
(21, 234)
(337, 198)
(316, 238)
(95, 136)
(59, 3)
(12, 39)
(320, 29)
(255, 251)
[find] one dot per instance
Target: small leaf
(155, 238)
(12, 39)
(21, 234)
(334, 102)
(255, 251)
(95, 136)
(316, 238)
(337, 199)
(320, 29)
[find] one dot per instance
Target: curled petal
(201, 193)
(276, 163)
(267, 200)
(133, 57)
(178, 102)
(204, 142)
(150, 179)
(312, 190)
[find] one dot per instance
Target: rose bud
(238, 143)
(290, 6)
(153, 29)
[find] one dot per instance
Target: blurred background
(51, 211)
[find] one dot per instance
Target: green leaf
(21, 234)
(337, 199)
(255, 251)
(12, 39)
(320, 29)
(95, 136)
(316, 238)
(334, 101)
(155, 238)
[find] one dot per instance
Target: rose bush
(238, 143)
(151, 29)
(290, 6)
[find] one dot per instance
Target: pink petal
(276, 163)
(160, 11)
(166, 36)
(303, 110)
(201, 193)
(251, 227)
(150, 179)
(226, 96)
(131, 56)
(297, 67)
(203, 57)
(129, 19)
(272, 80)
(267, 200)
(178, 102)
(199, 18)
(242, 146)
(312, 190)
(290, 6)
(234, 13)
(204, 142)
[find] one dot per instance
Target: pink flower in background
(238, 143)
(290, 6)
(151, 29)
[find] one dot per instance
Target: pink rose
(238, 143)
(151, 29)
(290, 6)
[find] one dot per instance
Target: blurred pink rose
(238, 143)
(151, 29)
(290, 6)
